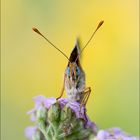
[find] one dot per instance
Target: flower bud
(54, 112)
(41, 113)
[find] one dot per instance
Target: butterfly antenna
(99, 25)
(37, 31)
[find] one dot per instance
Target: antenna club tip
(100, 24)
(35, 30)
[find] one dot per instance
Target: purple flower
(33, 114)
(114, 134)
(40, 100)
(79, 111)
(102, 135)
(30, 131)
(47, 102)
(41, 108)
(93, 126)
(63, 102)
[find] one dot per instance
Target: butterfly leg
(86, 95)
(62, 90)
(61, 93)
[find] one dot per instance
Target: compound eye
(68, 71)
(78, 70)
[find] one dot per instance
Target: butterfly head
(73, 69)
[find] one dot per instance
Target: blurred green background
(30, 67)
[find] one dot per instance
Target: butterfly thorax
(74, 82)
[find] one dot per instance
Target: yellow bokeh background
(31, 67)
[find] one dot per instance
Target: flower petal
(38, 100)
(30, 131)
(49, 101)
